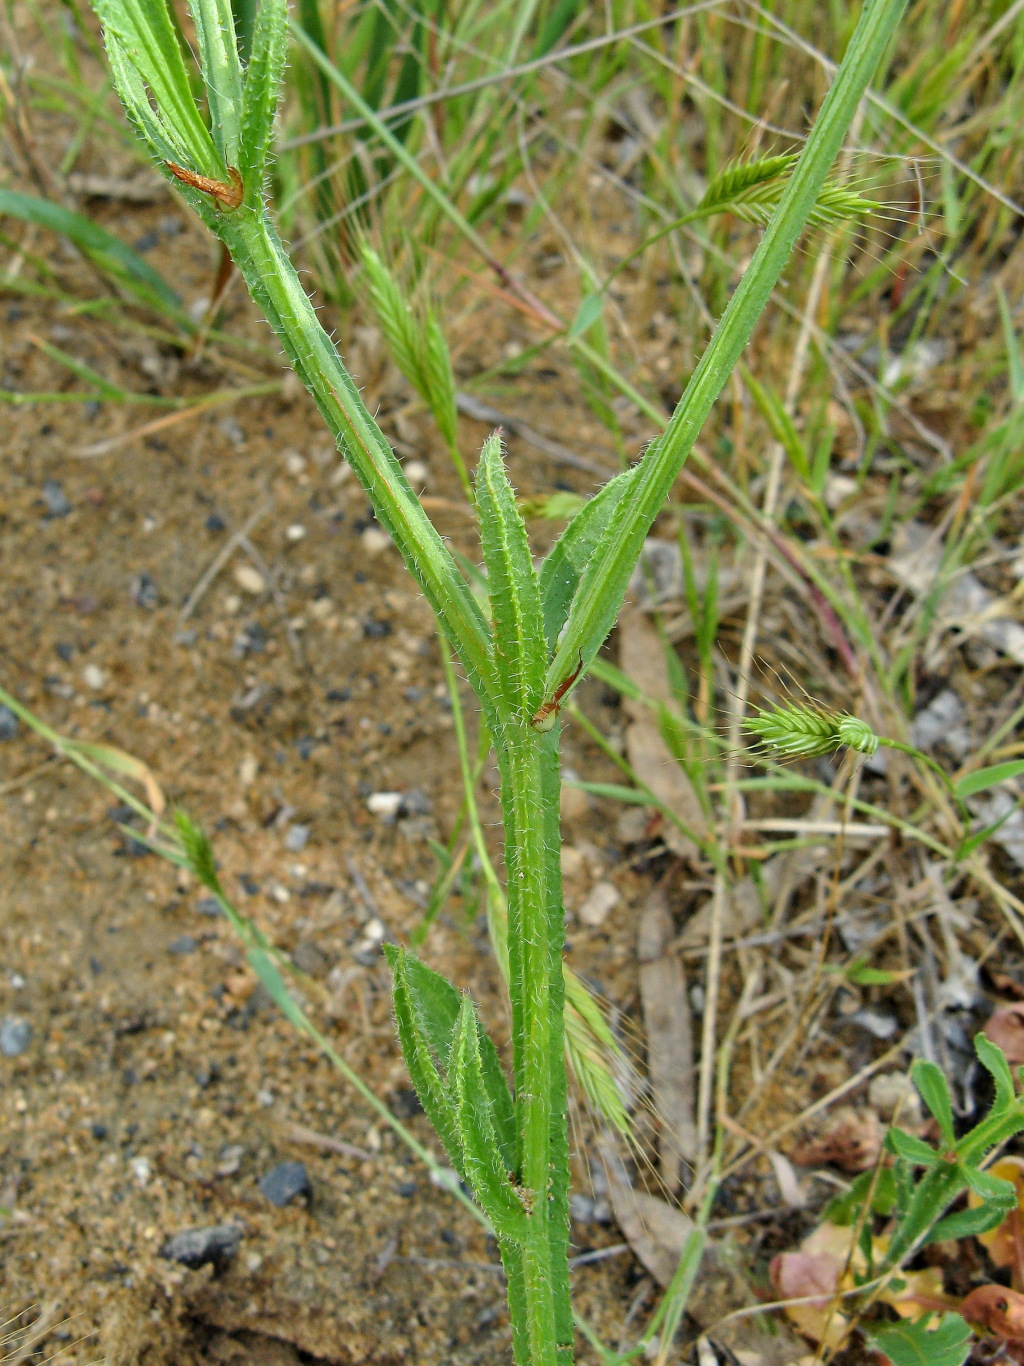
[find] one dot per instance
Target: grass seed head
(802, 731)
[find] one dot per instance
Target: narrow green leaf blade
(968, 1223)
(145, 55)
(984, 778)
(911, 1149)
(934, 1089)
(915, 1344)
(568, 558)
(587, 314)
(222, 74)
(423, 1071)
(519, 654)
(993, 1059)
(260, 93)
(597, 602)
(107, 252)
(436, 1005)
(489, 1176)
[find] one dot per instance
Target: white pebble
(602, 900)
(374, 540)
(293, 462)
(93, 676)
(295, 532)
(248, 578)
(142, 1169)
(416, 472)
(386, 804)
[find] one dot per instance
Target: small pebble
(249, 579)
(366, 950)
(600, 902)
(183, 945)
(265, 1097)
(387, 805)
(294, 463)
(296, 838)
(196, 1247)
(310, 958)
(375, 539)
(208, 905)
(56, 500)
(231, 428)
(144, 592)
(416, 472)
(229, 1159)
(283, 1183)
(296, 532)
(376, 630)
(407, 1189)
(98, 1131)
(9, 724)
(93, 677)
(895, 1098)
(15, 1036)
(142, 1169)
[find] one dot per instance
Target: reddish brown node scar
(228, 195)
(546, 714)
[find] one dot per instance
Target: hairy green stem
(528, 763)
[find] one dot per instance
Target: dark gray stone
(9, 724)
(15, 1036)
(196, 1247)
(284, 1182)
(184, 944)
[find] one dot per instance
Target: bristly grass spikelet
(798, 730)
(752, 190)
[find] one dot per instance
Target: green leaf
(519, 656)
(603, 586)
(993, 1190)
(148, 69)
(984, 778)
(845, 1209)
(967, 1223)
(435, 1006)
(587, 315)
(934, 1089)
(260, 93)
(993, 1059)
(967, 846)
(911, 1149)
(107, 252)
(416, 1050)
(780, 423)
(222, 74)
(913, 1344)
(489, 1175)
(563, 566)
